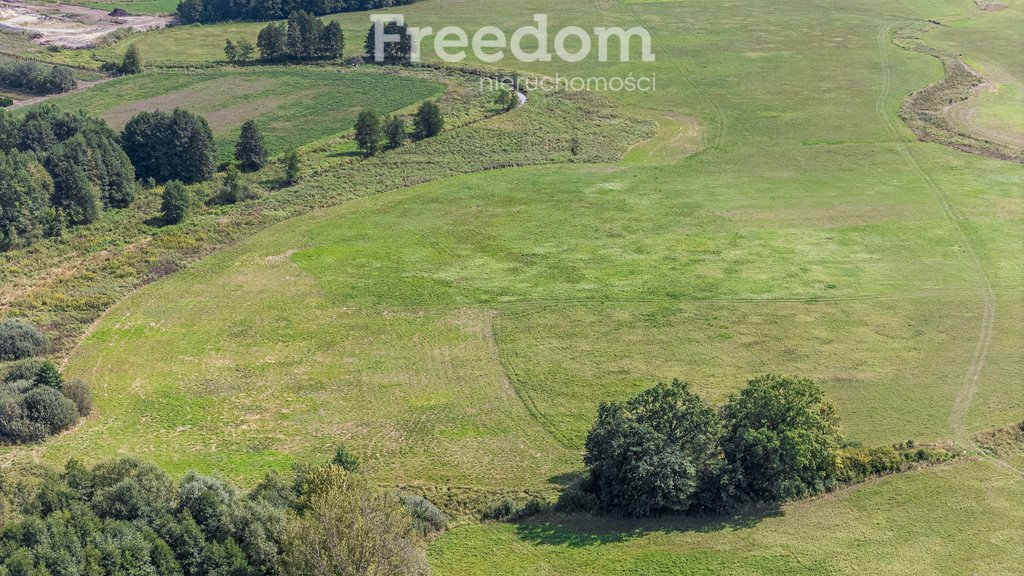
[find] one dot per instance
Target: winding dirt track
(958, 417)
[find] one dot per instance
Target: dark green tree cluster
(303, 37)
(170, 146)
(57, 169)
(394, 52)
(128, 517)
(207, 11)
(666, 451)
(373, 134)
(36, 402)
(30, 76)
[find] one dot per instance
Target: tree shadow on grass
(581, 530)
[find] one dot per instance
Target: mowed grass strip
(960, 519)
(293, 105)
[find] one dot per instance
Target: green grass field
(460, 334)
(293, 105)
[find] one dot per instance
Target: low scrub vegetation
(30, 76)
(924, 110)
(127, 516)
(36, 402)
(20, 340)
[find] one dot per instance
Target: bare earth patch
(69, 26)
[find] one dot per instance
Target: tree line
(30, 76)
(128, 517)
(207, 11)
(667, 451)
(57, 169)
(303, 37)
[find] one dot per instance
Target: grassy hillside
(460, 334)
(293, 105)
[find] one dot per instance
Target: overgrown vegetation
(30, 76)
(127, 516)
(36, 402)
(536, 134)
(924, 110)
(57, 170)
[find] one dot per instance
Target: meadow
(293, 105)
(459, 334)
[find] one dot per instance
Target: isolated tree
(394, 131)
(394, 52)
(175, 203)
(428, 120)
(291, 167)
(132, 61)
(369, 135)
(781, 437)
(244, 50)
(230, 51)
(272, 42)
(250, 151)
(646, 455)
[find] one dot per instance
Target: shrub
(132, 61)
(6, 101)
(346, 460)
(426, 517)
(50, 408)
(509, 510)
(48, 375)
(291, 168)
(78, 392)
(20, 340)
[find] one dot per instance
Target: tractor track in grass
(719, 113)
(962, 404)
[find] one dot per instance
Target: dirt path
(37, 99)
(962, 404)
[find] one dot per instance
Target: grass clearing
(293, 105)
